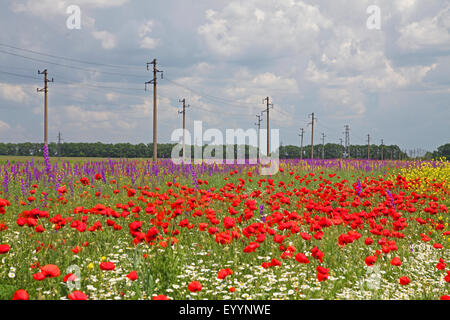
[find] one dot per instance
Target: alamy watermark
(74, 19)
(213, 152)
(74, 280)
(374, 20)
(372, 282)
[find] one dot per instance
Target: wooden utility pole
(45, 90)
(184, 127)
(268, 106)
(59, 144)
(342, 151)
(312, 134)
(382, 149)
(368, 147)
(323, 145)
(347, 141)
(258, 124)
(301, 143)
(155, 108)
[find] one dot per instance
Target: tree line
(441, 152)
(142, 150)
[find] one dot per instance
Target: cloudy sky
(224, 57)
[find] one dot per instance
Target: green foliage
(127, 150)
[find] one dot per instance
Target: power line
(312, 134)
(155, 108)
(268, 106)
(301, 143)
(19, 75)
(211, 97)
(184, 126)
(72, 67)
(70, 59)
(323, 145)
(74, 83)
(45, 90)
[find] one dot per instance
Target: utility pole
(347, 141)
(312, 134)
(301, 143)
(45, 90)
(342, 151)
(155, 108)
(268, 106)
(368, 147)
(59, 144)
(382, 148)
(323, 145)
(258, 124)
(184, 126)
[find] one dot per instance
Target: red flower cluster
(47, 271)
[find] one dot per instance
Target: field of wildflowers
(133, 229)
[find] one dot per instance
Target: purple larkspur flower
(391, 198)
(359, 188)
(261, 211)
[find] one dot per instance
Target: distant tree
(442, 151)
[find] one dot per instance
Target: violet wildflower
(391, 198)
(261, 211)
(6, 180)
(23, 188)
(359, 188)
(48, 166)
(194, 177)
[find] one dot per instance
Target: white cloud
(428, 32)
(4, 126)
(107, 39)
(44, 8)
(112, 96)
(147, 42)
(76, 113)
(343, 103)
(237, 30)
(13, 93)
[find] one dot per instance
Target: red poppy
(50, 271)
(21, 295)
(447, 277)
(370, 260)
(223, 273)
(4, 248)
(316, 253)
(107, 266)
(301, 258)
(438, 246)
(69, 277)
(160, 297)
(228, 222)
(132, 275)
(396, 262)
(195, 286)
(77, 295)
(441, 264)
(322, 273)
(404, 281)
(39, 276)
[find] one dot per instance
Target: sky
(391, 80)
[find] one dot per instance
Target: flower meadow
(134, 229)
